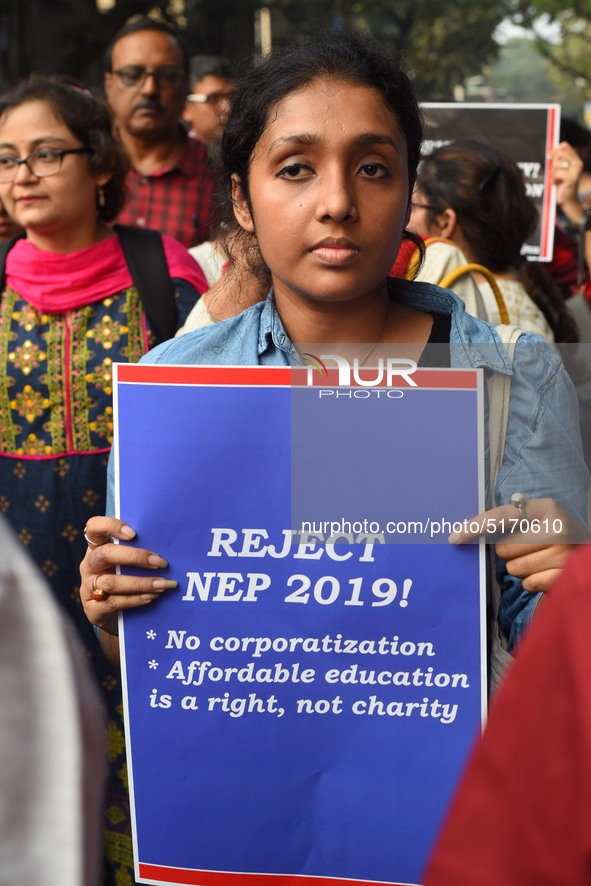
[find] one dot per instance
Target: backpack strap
(499, 395)
(146, 260)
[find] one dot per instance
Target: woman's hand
(567, 167)
(535, 541)
(103, 593)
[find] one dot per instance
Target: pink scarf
(54, 283)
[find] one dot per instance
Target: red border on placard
(283, 376)
(162, 374)
(547, 203)
(186, 877)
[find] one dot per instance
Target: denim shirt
(543, 453)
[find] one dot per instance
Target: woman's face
(51, 205)
(328, 192)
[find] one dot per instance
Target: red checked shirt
(175, 200)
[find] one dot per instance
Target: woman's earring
(101, 197)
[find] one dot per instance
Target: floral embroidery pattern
(42, 503)
(49, 567)
(104, 425)
(69, 532)
(27, 317)
(102, 376)
(61, 467)
(29, 403)
(27, 357)
(116, 741)
(33, 446)
(56, 396)
(90, 498)
(107, 333)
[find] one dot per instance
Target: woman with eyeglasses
(473, 195)
(69, 308)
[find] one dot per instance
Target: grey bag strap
(499, 396)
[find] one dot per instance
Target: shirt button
(140, 222)
(143, 181)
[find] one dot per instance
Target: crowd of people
(115, 251)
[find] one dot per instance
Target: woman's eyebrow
(35, 142)
(48, 138)
(306, 138)
(371, 138)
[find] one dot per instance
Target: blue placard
(303, 704)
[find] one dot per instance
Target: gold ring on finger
(97, 593)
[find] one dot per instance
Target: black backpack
(146, 260)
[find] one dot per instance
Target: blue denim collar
(474, 343)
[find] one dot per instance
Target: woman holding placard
(320, 156)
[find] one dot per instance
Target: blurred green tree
(562, 34)
(523, 74)
(442, 44)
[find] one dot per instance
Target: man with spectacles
(170, 187)
(208, 103)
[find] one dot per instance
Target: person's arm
(520, 814)
(543, 460)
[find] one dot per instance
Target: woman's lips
(335, 252)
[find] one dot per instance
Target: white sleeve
(52, 736)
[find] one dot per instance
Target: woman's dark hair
(89, 120)
(343, 55)
(485, 188)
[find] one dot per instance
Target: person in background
(169, 185)
(571, 260)
(52, 748)
(474, 195)
(208, 103)
(522, 814)
(69, 309)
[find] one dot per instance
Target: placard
(527, 132)
(301, 708)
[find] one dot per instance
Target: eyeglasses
(214, 98)
(47, 161)
(135, 75)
